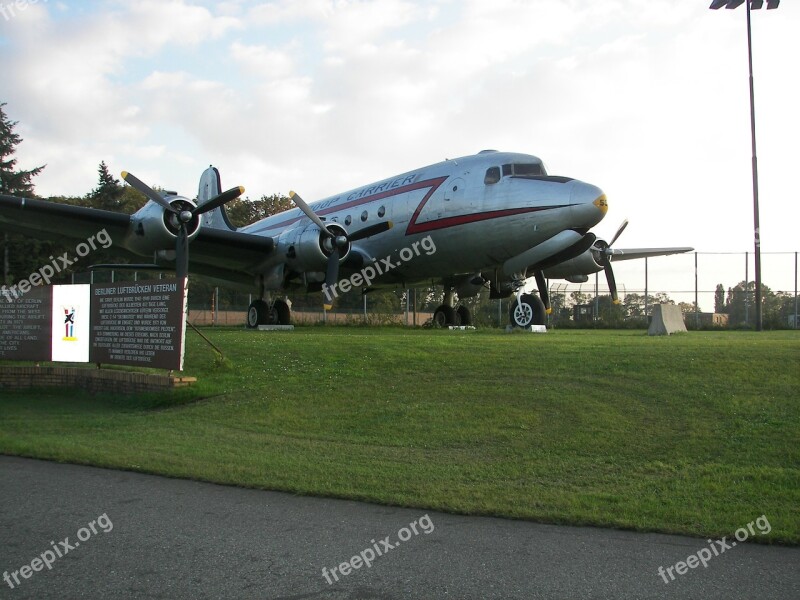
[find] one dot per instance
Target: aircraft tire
(444, 316)
(465, 316)
(526, 311)
(257, 314)
(281, 313)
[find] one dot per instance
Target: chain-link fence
(713, 289)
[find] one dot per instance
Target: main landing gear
(447, 315)
(264, 312)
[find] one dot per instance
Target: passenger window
(381, 211)
(492, 175)
(364, 215)
(348, 219)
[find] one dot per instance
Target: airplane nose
(589, 203)
(601, 203)
(586, 193)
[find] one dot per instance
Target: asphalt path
(128, 535)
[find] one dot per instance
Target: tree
(111, 195)
(719, 299)
(243, 212)
(740, 305)
(12, 182)
(609, 313)
(17, 183)
(634, 305)
(108, 193)
(578, 297)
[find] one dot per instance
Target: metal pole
(756, 228)
(696, 301)
(596, 294)
(795, 290)
(646, 283)
(746, 283)
(216, 306)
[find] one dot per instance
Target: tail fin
(210, 186)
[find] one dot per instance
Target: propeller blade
(137, 183)
(301, 204)
(619, 232)
(182, 253)
(219, 200)
(612, 283)
(331, 277)
(370, 231)
(543, 293)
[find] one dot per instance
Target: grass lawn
(696, 433)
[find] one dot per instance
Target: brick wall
(91, 380)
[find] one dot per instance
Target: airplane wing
(47, 220)
(214, 252)
(631, 253)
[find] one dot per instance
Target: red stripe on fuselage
(431, 183)
(413, 226)
(471, 218)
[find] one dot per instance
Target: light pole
(756, 4)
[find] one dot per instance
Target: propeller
(541, 283)
(181, 213)
(603, 254)
(619, 232)
(336, 243)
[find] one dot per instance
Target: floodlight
(752, 4)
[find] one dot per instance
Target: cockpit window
(492, 175)
(524, 170)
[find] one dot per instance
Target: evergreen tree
(108, 194)
(719, 299)
(111, 195)
(12, 182)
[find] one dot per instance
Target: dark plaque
(139, 323)
(25, 325)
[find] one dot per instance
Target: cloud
(648, 101)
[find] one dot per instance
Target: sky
(647, 100)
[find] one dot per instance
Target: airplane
(492, 219)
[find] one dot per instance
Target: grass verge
(696, 433)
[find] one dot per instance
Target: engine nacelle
(583, 264)
(154, 229)
(469, 286)
(307, 249)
